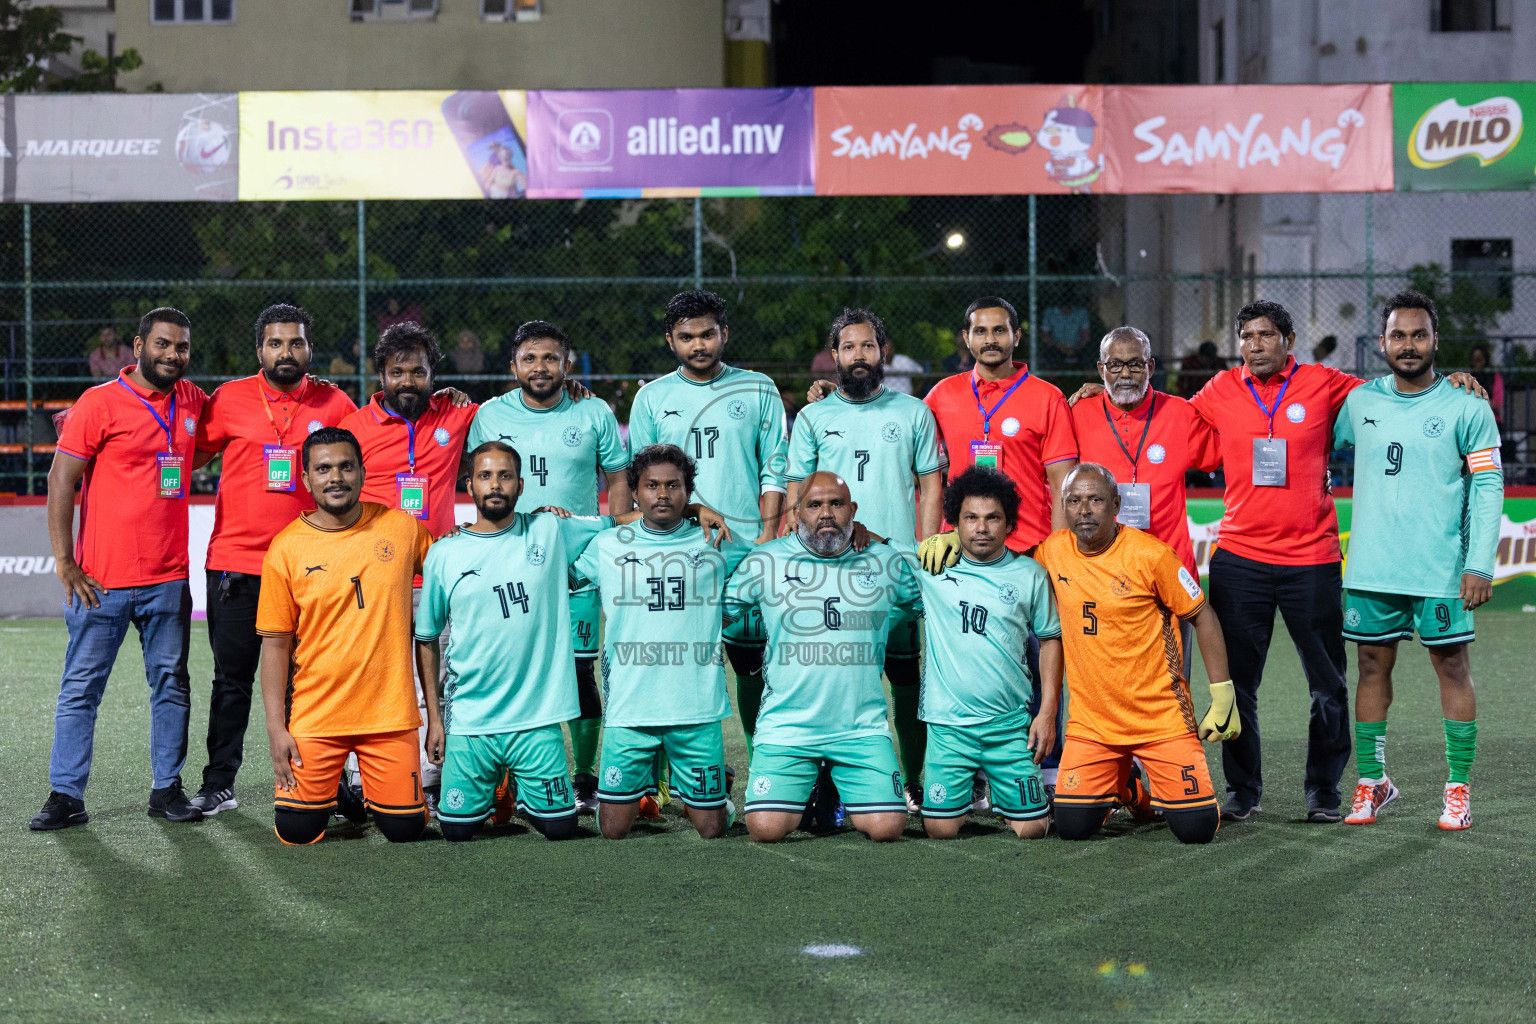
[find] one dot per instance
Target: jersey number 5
(1091, 621)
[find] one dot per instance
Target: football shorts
(1001, 749)
(696, 754)
(864, 769)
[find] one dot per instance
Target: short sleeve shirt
(562, 448)
(431, 446)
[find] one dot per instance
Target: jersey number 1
(512, 593)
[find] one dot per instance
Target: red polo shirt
(129, 536)
(1171, 438)
(1295, 524)
(242, 418)
(1035, 428)
(388, 440)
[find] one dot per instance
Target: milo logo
(1449, 131)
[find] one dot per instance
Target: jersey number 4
(509, 595)
(538, 465)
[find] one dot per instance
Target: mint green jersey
(826, 620)
(877, 445)
(733, 426)
(509, 659)
(979, 616)
(1420, 519)
(563, 448)
(662, 660)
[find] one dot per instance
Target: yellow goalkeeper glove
(1221, 721)
(939, 552)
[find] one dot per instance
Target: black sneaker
(1235, 810)
(211, 800)
(586, 793)
(1324, 815)
(349, 803)
(171, 803)
(58, 812)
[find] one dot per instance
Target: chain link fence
(604, 270)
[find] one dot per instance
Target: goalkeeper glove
(1221, 721)
(939, 552)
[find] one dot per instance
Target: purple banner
(670, 142)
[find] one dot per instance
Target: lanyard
(986, 417)
(410, 443)
(1269, 410)
(170, 443)
(1152, 411)
(266, 403)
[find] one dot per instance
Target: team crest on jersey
(1352, 618)
(761, 785)
(1156, 454)
(189, 425)
(1122, 585)
(891, 432)
(1008, 594)
(571, 437)
(938, 792)
(1071, 780)
(454, 799)
(1010, 427)
(536, 554)
(736, 409)
(1295, 412)
(694, 557)
(613, 776)
(442, 437)
(315, 425)
(1434, 426)
(866, 580)
(383, 550)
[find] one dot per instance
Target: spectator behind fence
(1491, 380)
(109, 354)
(468, 357)
(961, 360)
(1199, 367)
(1324, 353)
(396, 312)
(902, 368)
(1064, 336)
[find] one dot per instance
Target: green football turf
(131, 918)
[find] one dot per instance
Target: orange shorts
(1095, 774)
(390, 763)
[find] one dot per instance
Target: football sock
(1460, 748)
(1371, 748)
(749, 697)
(911, 733)
(585, 733)
(663, 771)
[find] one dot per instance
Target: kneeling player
(826, 609)
(1120, 593)
(663, 669)
(336, 606)
(976, 685)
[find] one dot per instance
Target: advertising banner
(118, 148)
(962, 140)
(1250, 138)
(670, 142)
(383, 145)
(1462, 136)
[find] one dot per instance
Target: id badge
(280, 463)
(1135, 506)
(411, 490)
(988, 454)
(1269, 462)
(172, 474)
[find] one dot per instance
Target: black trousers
(236, 655)
(1245, 595)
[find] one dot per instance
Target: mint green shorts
(1001, 749)
(1380, 619)
(863, 768)
(474, 765)
(586, 612)
(696, 754)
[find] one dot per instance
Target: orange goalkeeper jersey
(1120, 636)
(345, 597)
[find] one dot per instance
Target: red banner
(1249, 138)
(963, 140)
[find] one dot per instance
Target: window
(1469, 15)
(192, 12)
(393, 10)
(1487, 264)
(1219, 51)
(510, 10)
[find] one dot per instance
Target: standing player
(1119, 591)
(258, 423)
(1429, 496)
(878, 441)
(976, 686)
(826, 609)
(663, 673)
(1149, 439)
(335, 617)
(731, 421)
(568, 442)
(132, 440)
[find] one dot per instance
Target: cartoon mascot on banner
(1067, 134)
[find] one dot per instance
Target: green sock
(749, 697)
(1460, 748)
(663, 769)
(585, 733)
(911, 733)
(1371, 749)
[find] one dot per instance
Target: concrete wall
(313, 44)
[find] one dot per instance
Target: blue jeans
(163, 616)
